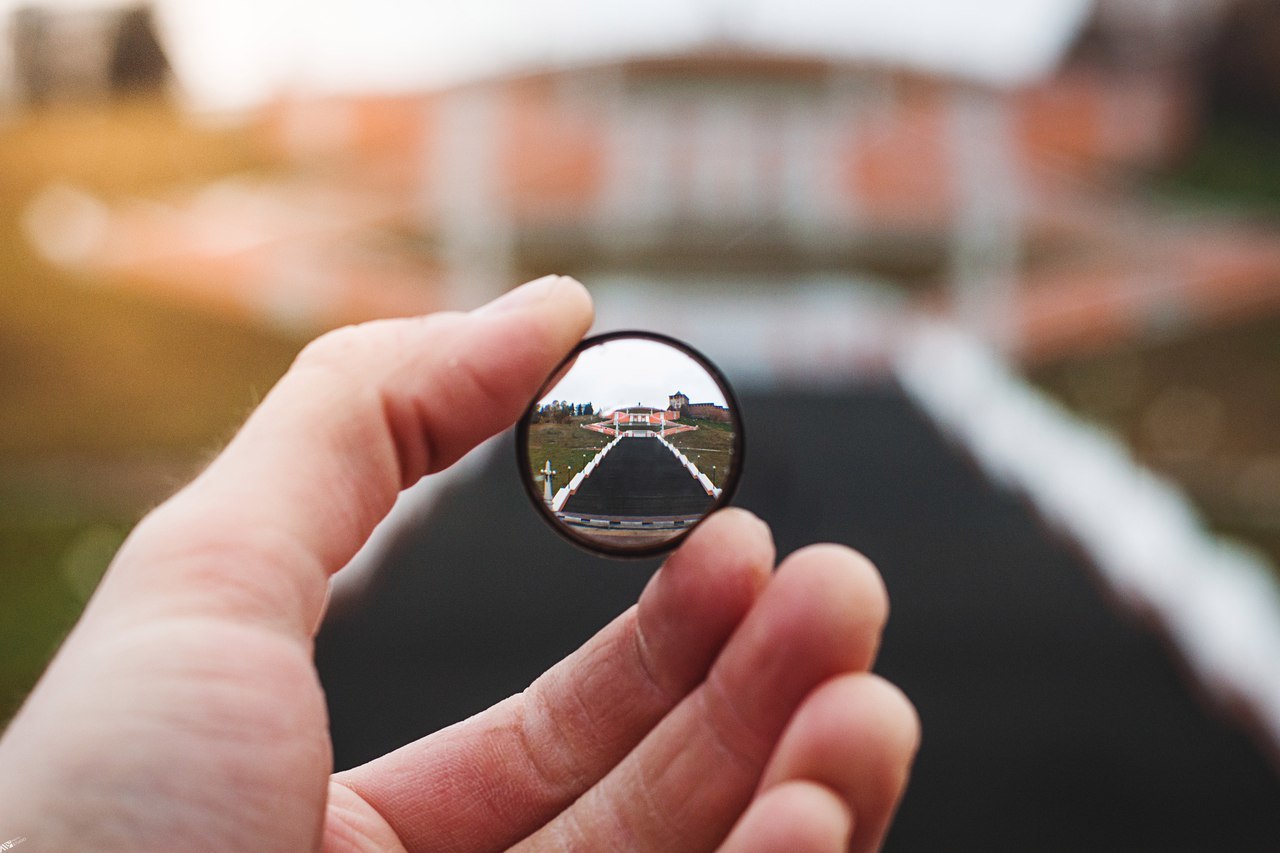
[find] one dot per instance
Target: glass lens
(633, 441)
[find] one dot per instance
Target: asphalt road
(1051, 723)
(639, 477)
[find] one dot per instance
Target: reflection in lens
(633, 445)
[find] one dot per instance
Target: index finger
(363, 412)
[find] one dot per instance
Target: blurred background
(997, 280)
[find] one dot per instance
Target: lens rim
(727, 492)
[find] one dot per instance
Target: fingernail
(523, 296)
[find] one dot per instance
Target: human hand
(731, 705)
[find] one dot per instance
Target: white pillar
(464, 198)
(986, 232)
(548, 492)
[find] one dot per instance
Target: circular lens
(633, 440)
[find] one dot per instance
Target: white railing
(563, 494)
(1218, 600)
(702, 478)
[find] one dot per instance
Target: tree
(138, 62)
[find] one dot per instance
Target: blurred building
(738, 166)
(746, 164)
(1006, 203)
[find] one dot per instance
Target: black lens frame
(727, 492)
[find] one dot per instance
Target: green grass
(568, 446)
(49, 570)
(1202, 409)
(1232, 165)
(704, 423)
(710, 447)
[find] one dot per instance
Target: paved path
(1051, 723)
(639, 477)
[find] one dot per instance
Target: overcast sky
(234, 53)
(629, 372)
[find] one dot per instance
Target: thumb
(364, 411)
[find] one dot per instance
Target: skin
(731, 708)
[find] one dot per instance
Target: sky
(625, 372)
(233, 54)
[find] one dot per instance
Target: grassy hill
(1201, 407)
(108, 401)
(710, 447)
(568, 446)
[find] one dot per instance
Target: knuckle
(337, 348)
(544, 739)
(363, 354)
(731, 732)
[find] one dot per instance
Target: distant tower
(678, 401)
